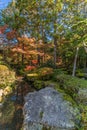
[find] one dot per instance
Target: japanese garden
(43, 65)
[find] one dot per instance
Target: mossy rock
(73, 86)
(7, 77)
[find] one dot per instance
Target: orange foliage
(3, 28)
(29, 49)
(11, 34)
(35, 62)
(28, 68)
(32, 52)
(18, 50)
(26, 40)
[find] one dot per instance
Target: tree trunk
(39, 59)
(22, 60)
(55, 52)
(4, 55)
(75, 61)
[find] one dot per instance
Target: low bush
(44, 73)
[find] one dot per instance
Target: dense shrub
(44, 73)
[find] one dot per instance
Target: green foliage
(44, 73)
(84, 117)
(80, 73)
(60, 71)
(39, 84)
(56, 21)
(20, 71)
(48, 63)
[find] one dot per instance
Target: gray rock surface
(47, 108)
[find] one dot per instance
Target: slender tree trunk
(22, 55)
(55, 52)
(4, 55)
(18, 57)
(75, 61)
(55, 32)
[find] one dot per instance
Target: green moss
(46, 128)
(70, 84)
(69, 98)
(7, 112)
(39, 84)
(41, 114)
(84, 116)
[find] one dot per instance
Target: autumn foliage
(27, 52)
(3, 28)
(29, 68)
(11, 34)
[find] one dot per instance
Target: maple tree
(28, 50)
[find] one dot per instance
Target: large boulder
(47, 109)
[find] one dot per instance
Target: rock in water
(48, 109)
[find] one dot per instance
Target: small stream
(14, 104)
